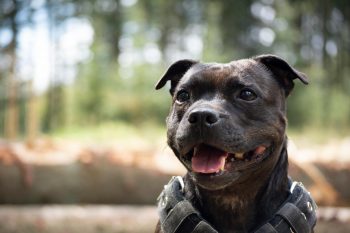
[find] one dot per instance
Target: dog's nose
(203, 116)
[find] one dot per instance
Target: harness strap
(184, 218)
(177, 215)
(266, 228)
(203, 227)
(295, 218)
(296, 215)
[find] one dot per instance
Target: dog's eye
(182, 96)
(247, 95)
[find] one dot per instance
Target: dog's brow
(236, 81)
(192, 81)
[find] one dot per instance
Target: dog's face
(227, 122)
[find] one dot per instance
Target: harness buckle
(181, 181)
(294, 184)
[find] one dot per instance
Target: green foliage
(55, 108)
(108, 132)
(133, 45)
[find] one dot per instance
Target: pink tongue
(207, 159)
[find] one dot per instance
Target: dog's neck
(244, 206)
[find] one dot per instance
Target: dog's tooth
(239, 155)
(223, 167)
(260, 150)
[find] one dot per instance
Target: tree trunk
(11, 119)
(31, 117)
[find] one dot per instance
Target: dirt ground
(118, 219)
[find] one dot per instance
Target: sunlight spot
(106, 5)
(125, 43)
(5, 37)
(36, 4)
(306, 52)
(280, 24)
(264, 13)
(268, 2)
(130, 27)
(75, 40)
(151, 53)
(194, 44)
(266, 36)
(331, 48)
(317, 42)
(128, 3)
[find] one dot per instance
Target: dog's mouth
(209, 160)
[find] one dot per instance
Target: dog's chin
(213, 168)
(215, 181)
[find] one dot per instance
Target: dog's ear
(175, 73)
(283, 72)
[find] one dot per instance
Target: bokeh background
(82, 130)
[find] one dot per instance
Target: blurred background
(82, 130)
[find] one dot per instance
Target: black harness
(177, 215)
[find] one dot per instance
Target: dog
(227, 126)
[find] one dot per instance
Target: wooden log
(329, 184)
(99, 182)
(66, 173)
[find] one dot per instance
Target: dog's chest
(228, 213)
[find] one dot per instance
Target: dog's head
(227, 121)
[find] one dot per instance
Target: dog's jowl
(227, 126)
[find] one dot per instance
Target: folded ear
(283, 72)
(175, 73)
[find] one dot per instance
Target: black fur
(241, 199)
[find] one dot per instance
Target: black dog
(227, 126)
